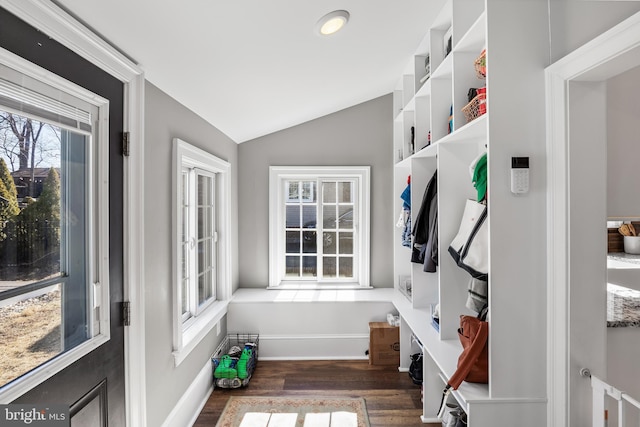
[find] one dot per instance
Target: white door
(58, 256)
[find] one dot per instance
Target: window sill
(285, 286)
(199, 329)
(247, 295)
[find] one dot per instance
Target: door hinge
(125, 144)
(126, 313)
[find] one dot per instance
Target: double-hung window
(201, 223)
(319, 227)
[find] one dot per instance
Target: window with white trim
(201, 243)
(319, 226)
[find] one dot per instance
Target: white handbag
(470, 247)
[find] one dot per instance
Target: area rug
(253, 411)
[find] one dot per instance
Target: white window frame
(187, 334)
(277, 213)
(194, 308)
(98, 226)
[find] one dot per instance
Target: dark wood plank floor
(391, 397)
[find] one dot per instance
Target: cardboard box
(384, 344)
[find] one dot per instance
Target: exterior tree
(21, 138)
(50, 197)
(9, 210)
(44, 213)
(27, 134)
(8, 145)
(33, 236)
(8, 196)
(7, 179)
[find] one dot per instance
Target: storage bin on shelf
(235, 359)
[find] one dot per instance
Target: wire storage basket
(475, 108)
(235, 360)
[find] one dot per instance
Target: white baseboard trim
(314, 336)
(277, 358)
(314, 347)
(193, 400)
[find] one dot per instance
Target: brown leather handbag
(473, 362)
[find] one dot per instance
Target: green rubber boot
(242, 363)
(224, 369)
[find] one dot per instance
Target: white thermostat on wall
(519, 175)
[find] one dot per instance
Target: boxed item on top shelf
(234, 361)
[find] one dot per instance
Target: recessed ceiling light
(332, 22)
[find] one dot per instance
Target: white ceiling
(252, 67)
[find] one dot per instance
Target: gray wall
(575, 22)
(623, 145)
(166, 119)
(357, 136)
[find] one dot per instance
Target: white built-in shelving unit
(515, 387)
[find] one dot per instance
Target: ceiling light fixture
(332, 22)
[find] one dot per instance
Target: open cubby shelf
(425, 144)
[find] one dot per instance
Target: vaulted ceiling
(253, 67)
